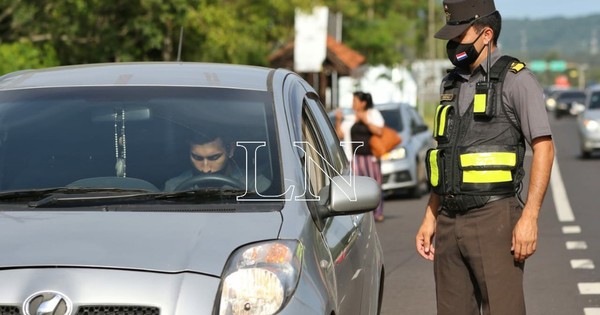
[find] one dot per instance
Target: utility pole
(431, 30)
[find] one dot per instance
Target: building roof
(340, 57)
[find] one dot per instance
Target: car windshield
(595, 101)
(393, 118)
(135, 139)
(574, 95)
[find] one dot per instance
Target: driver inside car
(208, 155)
(212, 165)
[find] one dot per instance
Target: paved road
(560, 279)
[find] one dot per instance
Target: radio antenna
(180, 44)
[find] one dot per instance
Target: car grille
(385, 178)
(9, 310)
(397, 177)
(117, 310)
(96, 310)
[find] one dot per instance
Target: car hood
(592, 114)
(160, 241)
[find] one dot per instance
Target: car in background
(403, 168)
(588, 123)
(87, 227)
(550, 94)
(567, 102)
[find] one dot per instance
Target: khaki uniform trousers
(475, 272)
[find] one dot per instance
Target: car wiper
(135, 197)
(34, 194)
(208, 194)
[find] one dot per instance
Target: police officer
(491, 106)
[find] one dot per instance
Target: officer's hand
(524, 240)
(424, 240)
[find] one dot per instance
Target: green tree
(24, 55)
(241, 31)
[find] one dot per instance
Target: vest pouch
(483, 102)
(442, 124)
(434, 163)
(488, 170)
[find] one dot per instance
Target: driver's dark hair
(203, 137)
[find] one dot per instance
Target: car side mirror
(350, 195)
(420, 128)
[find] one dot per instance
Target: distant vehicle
(589, 123)
(567, 102)
(403, 168)
(550, 94)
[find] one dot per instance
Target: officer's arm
(424, 239)
(543, 157)
(524, 241)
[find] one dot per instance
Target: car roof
(388, 106)
(141, 74)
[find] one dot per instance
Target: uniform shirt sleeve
(374, 117)
(525, 99)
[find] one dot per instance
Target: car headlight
(591, 125)
(396, 154)
(260, 278)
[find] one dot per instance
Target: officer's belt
(455, 204)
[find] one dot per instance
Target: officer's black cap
(460, 14)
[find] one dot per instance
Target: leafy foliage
(242, 31)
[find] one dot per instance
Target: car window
(316, 168)
(393, 118)
(415, 119)
(327, 133)
(57, 136)
(571, 95)
(595, 101)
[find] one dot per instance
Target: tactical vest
(479, 154)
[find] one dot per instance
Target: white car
(588, 122)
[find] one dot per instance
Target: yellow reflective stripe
(481, 177)
(443, 121)
(433, 168)
(479, 103)
(436, 120)
(488, 158)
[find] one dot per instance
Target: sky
(541, 9)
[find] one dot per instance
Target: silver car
(403, 169)
(87, 226)
(589, 123)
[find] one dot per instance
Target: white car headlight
(260, 278)
(591, 125)
(396, 154)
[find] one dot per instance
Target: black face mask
(462, 55)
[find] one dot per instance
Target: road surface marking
(571, 229)
(571, 245)
(559, 194)
(591, 311)
(582, 264)
(589, 287)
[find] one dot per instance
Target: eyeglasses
(201, 158)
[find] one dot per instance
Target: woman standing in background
(368, 122)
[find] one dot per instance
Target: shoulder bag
(384, 143)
